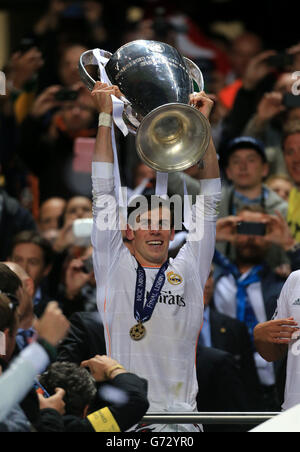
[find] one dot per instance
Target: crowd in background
(48, 124)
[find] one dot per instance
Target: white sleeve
(199, 249)
(283, 303)
(106, 233)
(19, 378)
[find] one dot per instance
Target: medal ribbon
(143, 313)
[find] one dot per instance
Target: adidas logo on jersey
(297, 302)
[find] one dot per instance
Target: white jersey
(166, 355)
(288, 305)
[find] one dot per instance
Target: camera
(257, 229)
(280, 60)
(66, 95)
(88, 265)
(291, 101)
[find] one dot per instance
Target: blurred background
(268, 18)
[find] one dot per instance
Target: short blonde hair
(292, 127)
(281, 176)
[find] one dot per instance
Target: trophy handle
(196, 74)
(87, 59)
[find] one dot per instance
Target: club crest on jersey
(174, 279)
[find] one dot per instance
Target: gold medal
(137, 332)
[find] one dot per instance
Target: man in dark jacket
(221, 332)
(84, 340)
(247, 289)
(85, 410)
(13, 219)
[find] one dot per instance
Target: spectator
(34, 254)
(80, 387)
(54, 142)
(68, 75)
(18, 379)
(13, 219)
(267, 124)
(211, 397)
(50, 213)
(78, 207)
(244, 48)
(84, 340)
(78, 289)
(259, 77)
(280, 184)
(22, 73)
(77, 382)
(246, 288)
(291, 153)
(64, 23)
(246, 168)
(26, 314)
(22, 78)
(228, 334)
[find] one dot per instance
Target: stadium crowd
(48, 293)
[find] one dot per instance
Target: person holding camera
(246, 167)
(48, 138)
(245, 287)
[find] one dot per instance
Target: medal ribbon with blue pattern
(143, 313)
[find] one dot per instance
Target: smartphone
(40, 389)
(291, 101)
(245, 228)
(66, 95)
(280, 60)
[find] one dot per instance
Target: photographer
(246, 168)
(85, 410)
(265, 73)
(78, 290)
(246, 288)
(48, 138)
(18, 376)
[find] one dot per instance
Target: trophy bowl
(156, 82)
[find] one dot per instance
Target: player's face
(152, 236)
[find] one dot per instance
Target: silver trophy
(156, 82)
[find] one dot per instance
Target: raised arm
(101, 95)
(201, 239)
(106, 235)
(211, 169)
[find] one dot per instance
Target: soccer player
(152, 307)
(279, 338)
